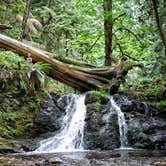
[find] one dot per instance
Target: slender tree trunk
(108, 25)
(66, 43)
(159, 24)
(25, 18)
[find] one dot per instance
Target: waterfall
(70, 137)
(122, 124)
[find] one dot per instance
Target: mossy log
(78, 75)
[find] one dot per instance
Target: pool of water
(87, 158)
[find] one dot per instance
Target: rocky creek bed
(88, 158)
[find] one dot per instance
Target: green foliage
(17, 113)
(14, 67)
(14, 32)
(16, 124)
(44, 68)
(154, 91)
(58, 24)
(100, 93)
(75, 28)
(10, 59)
(161, 105)
(8, 12)
(96, 95)
(96, 105)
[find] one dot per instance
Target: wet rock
(93, 97)
(49, 117)
(101, 129)
(147, 133)
(146, 125)
(7, 146)
(54, 161)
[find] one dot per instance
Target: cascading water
(122, 124)
(70, 137)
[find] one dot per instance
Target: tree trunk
(159, 24)
(25, 18)
(108, 25)
(66, 43)
(79, 75)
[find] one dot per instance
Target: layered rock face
(146, 126)
(51, 113)
(101, 129)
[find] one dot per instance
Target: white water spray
(70, 138)
(122, 124)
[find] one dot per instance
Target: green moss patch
(96, 97)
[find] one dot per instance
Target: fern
(13, 67)
(42, 67)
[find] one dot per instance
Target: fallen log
(78, 75)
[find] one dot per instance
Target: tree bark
(76, 75)
(9, 1)
(159, 24)
(25, 18)
(108, 25)
(4, 27)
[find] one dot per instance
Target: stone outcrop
(101, 129)
(146, 126)
(52, 109)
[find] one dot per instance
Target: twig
(129, 31)
(121, 49)
(121, 15)
(91, 47)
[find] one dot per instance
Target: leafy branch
(130, 32)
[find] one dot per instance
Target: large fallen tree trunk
(78, 75)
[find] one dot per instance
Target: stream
(88, 158)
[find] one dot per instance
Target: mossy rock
(6, 146)
(96, 97)
(94, 106)
(161, 105)
(24, 123)
(16, 124)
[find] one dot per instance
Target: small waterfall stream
(70, 138)
(122, 124)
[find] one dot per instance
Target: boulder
(146, 125)
(52, 110)
(101, 129)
